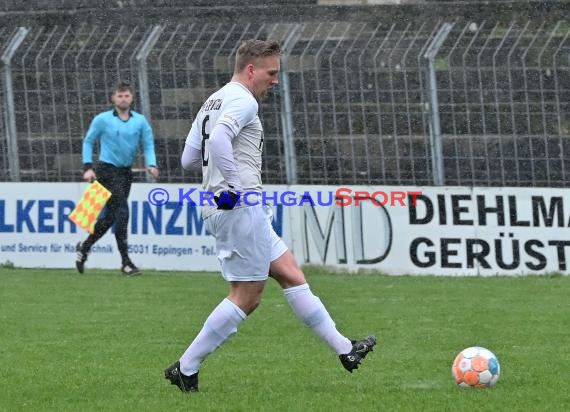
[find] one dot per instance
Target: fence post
(434, 124)
(9, 112)
(141, 58)
(286, 111)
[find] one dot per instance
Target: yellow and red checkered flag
(90, 205)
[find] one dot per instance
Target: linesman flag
(90, 205)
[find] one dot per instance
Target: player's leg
(246, 295)
(309, 308)
(242, 243)
(222, 323)
(305, 304)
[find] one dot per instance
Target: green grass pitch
(101, 341)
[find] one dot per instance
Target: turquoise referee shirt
(119, 140)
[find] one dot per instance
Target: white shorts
(245, 242)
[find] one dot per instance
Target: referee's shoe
(80, 258)
(130, 269)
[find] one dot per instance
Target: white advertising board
(35, 230)
(396, 230)
(449, 231)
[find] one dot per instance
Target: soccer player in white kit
(226, 140)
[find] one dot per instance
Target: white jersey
(234, 106)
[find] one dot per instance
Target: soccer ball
(476, 367)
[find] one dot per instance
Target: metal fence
(466, 104)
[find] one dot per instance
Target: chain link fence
(504, 94)
(356, 104)
(4, 38)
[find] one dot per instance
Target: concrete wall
(65, 12)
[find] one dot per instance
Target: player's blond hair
(251, 50)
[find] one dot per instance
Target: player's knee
(256, 300)
(289, 277)
(248, 304)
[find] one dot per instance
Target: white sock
(220, 325)
(311, 310)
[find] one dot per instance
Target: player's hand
(153, 171)
(89, 175)
(227, 200)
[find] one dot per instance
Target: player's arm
(222, 153)
(192, 155)
(191, 158)
(222, 156)
(93, 134)
(238, 112)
